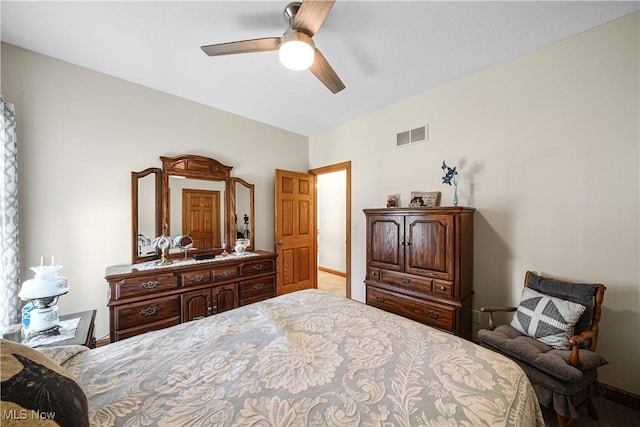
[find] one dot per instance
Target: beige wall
(548, 151)
(81, 133)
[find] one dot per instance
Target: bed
(305, 358)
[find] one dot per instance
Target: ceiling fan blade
(323, 71)
(244, 46)
(311, 15)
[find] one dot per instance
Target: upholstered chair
(553, 337)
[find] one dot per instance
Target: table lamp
(43, 292)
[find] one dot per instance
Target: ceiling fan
(296, 48)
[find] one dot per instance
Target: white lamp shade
(46, 284)
(297, 50)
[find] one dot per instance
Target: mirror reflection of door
(201, 217)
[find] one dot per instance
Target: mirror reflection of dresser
(191, 199)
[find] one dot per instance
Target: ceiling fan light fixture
(297, 50)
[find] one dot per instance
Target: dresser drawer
(135, 286)
(153, 310)
(437, 315)
(147, 327)
(407, 282)
(257, 267)
(224, 273)
(257, 289)
(193, 278)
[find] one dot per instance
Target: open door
(295, 231)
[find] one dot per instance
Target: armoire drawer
(136, 286)
(420, 285)
(140, 313)
(443, 289)
(432, 314)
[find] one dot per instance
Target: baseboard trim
(328, 270)
(103, 341)
(621, 397)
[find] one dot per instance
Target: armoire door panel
(430, 246)
(387, 242)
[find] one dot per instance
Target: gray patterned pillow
(550, 320)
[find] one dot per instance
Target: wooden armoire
(420, 265)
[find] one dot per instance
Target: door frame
(344, 166)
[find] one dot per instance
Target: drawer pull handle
(150, 311)
(405, 281)
(197, 279)
(373, 273)
(380, 299)
(432, 314)
(257, 267)
(225, 274)
(150, 284)
(258, 286)
(442, 288)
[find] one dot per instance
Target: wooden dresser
(420, 265)
(146, 300)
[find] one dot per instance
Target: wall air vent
(412, 136)
(403, 138)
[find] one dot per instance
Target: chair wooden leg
(591, 408)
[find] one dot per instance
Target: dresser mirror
(191, 195)
(146, 216)
(242, 207)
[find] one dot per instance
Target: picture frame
(425, 199)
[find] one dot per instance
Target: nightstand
(84, 331)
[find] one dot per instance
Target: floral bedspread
(306, 358)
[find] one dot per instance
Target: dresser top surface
(150, 267)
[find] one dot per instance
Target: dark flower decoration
(451, 174)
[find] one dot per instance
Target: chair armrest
(575, 342)
(492, 310)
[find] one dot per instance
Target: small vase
(455, 196)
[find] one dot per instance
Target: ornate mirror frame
(239, 184)
(135, 213)
(199, 168)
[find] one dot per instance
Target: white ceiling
(384, 51)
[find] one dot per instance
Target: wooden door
(430, 245)
(387, 240)
(201, 217)
(295, 231)
(224, 298)
(196, 304)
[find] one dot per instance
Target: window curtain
(9, 254)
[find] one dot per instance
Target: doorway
(333, 219)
